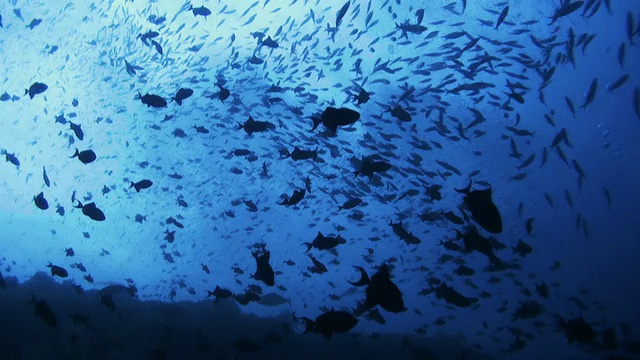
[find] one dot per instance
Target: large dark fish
(152, 100)
(202, 11)
(182, 94)
(369, 166)
(297, 196)
(577, 330)
(331, 118)
(565, 9)
(86, 156)
(473, 241)
(35, 89)
(250, 126)
(43, 311)
(142, 184)
(330, 322)
(77, 130)
(380, 291)
(264, 272)
(58, 271)
(322, 242)
(91, 210)
(482, 208)
(41, 202)
(401, 114)
(404, 235)
(451, 296)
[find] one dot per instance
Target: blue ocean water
(479, 158)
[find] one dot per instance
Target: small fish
(616, 84)
(502, 16)
(45, 177)
(591, 94)
(34, 23)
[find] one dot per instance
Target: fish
(332, 117)
(369, 166)
(523, 249)
(77, 130)
(451, 296)
(270, 43)
(502, 16)
(34, 23)
(147, 36)
(264, 271)
(401, 114)
(35, 89)
(616, 84)
(41, 202)
(350, 204)
(43, 311)
(630, 30)
(294, 199)
(591, 94)
(91, 211)
(322, 242)
(45, 177)
(86, 156)
(483, 209)
(9, 157)
(576, 330)
(182, 94)
(341, 13)
(380, 291)
(566, 8)
(250, 126)
(58, 271)
(298, 154)
(220, 293)
(199, 11)
(330, 322)
(404, 235)
(142, 184)
(407, 28)
(273, 299)
(152, 100)
(224, 92)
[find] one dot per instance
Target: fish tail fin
(316, 123)
(79, 206)
(132, 185)
(240, 126)
(139, 96)
(465, 190)
(309, 246)
(309, 325)
(75, 154)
